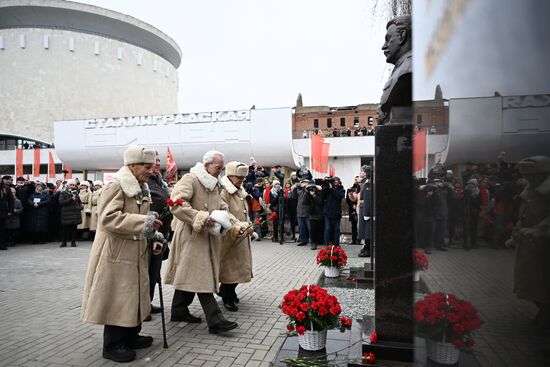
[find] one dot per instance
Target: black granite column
(394, 233)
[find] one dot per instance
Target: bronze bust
(398, 51)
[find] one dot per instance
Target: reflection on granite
(394, 237)
(336, 342)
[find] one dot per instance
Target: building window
(342, 121)
(315, 123)
(419, 119)
(27, 169)
(370, 121)
(356, 121)
(329, 122)
(7, 169)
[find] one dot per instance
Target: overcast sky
(241, 53)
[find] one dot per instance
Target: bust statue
(398, 51)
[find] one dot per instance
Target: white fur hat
(71, 182)
(139, 154)
(275, 182)
(85, 183)
(236, 169)
(222, 224)
(98, 183)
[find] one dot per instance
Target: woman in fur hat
(235, 254)
(85, 194)
(96, 193)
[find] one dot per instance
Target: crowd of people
(41, 212)
(339, 132)
(482, 203)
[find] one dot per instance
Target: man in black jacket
(333, 194)
(159, 195)
(6, 208)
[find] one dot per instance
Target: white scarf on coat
(206, 179)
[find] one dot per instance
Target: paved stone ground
(484, 277)
(40, 297)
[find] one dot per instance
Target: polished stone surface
(393, 233)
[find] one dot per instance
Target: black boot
(64, 244)
(313, 246)
(119, 353)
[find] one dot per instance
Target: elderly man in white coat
(116, 291)
(194, 262)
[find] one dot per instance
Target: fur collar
(231, 189)
(206, 179)
(130, 184)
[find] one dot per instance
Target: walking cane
(162, 313)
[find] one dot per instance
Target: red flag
(18, 162)
(419, 150)
(332, 171)
(69, 173)
(323, 158)
(36, 165)
(316, 142)
(171, 167)
(51, 167)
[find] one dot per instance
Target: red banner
(51, 167)
(316, 142)
(69, 173)
(36, 165)
(18, 162)
(171, 167)
(323, 159)
(419, 151)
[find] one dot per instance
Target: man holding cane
(116, 292)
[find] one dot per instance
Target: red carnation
(170, 202)
(179, 202)
(373, 337)
(300, 329)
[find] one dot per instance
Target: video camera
(326, 181)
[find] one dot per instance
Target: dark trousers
(155, 263)
(439, 233)
(69, 231)
(317, 227)
(425, 239)
(182, 300)
(303, 223)
(228, 293)
(470, 228)
(293, 223)
(116, 335)
(3, 233)
(332, 231)
(353, 231)
(12, 236)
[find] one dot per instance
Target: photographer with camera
(302, 211)
(333, 194)
(71, 217)
(316, 217)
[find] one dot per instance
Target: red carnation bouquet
(332, 256)
(445, 318)
(312, 308)
(420, 260)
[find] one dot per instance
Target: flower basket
(313, 340)
(331, 272)
(445, 320)
(416, 276)
(332, 257)
(420, 261)
(312, 311)
(443, 353)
